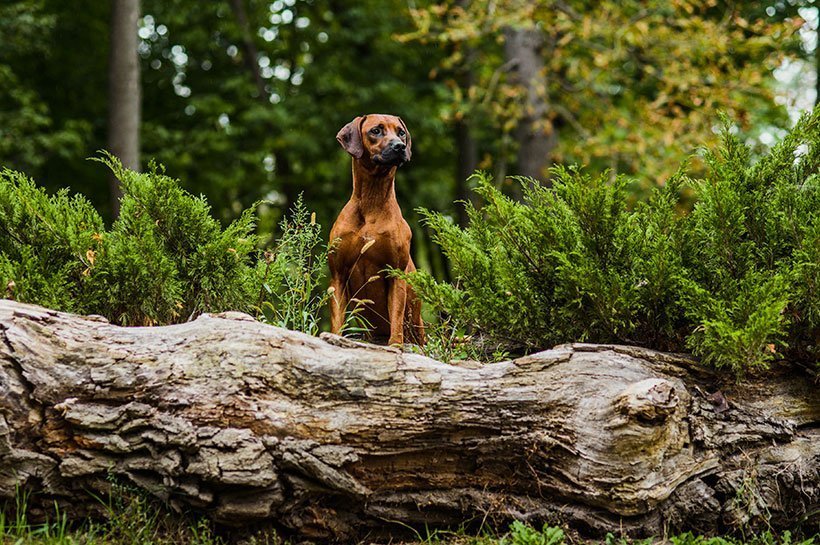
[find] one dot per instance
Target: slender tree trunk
(250, 53)
(466, 145)
(500, 170)
(535, 136)
(124, 93)
(332, 439)
(467, 162)
(467, 150)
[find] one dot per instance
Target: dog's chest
(377, 243)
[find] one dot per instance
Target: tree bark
(124, 91)
(466, 164)
(466, 145)
(535, 135)
(332, 438)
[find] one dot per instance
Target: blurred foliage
(204, 118)
(736, 280)
(633, 86)
(52, 99)
(322, 64)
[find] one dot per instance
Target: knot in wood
(650, 401)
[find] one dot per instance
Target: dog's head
(381, 139)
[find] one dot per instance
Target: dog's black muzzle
(394, 154)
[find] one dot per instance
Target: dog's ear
(350, 137)
(408, 152)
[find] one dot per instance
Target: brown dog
(371, 235)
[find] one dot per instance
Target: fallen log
(331, 438)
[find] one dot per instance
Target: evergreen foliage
(47, 244)
(735, 280)
(165, 260)
(753, 253)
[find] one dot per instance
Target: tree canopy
(242, 98)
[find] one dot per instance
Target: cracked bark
(124, 91)
(331, 438)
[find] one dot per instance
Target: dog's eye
(401, 132)
(375, 131)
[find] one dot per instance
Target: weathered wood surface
(331, 438)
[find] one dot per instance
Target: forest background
(241, 99)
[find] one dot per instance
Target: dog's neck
(374, 186)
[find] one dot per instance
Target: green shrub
(47, 244)
(753, 252)
(568, 263)
(164, 260)
(736, 280)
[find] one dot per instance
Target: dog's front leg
(396, 298)
(338, 305)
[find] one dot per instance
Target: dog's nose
(398, 145)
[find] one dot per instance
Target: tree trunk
(535, 135)
(466, 145)
(123, 91)
(331, 438)
(467, 162)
